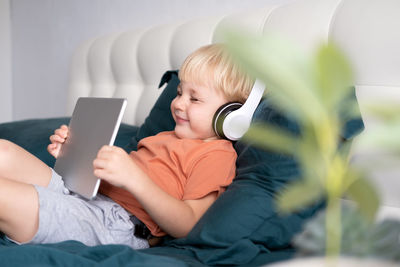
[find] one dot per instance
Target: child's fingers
(64, 129)
(99, 163)
(104, 152)
(52, 149)
(61, 132)
(53, 139)
(53, 146)
(57, 139)
(101, 173)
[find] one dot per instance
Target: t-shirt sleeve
(213, 172)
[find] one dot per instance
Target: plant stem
(333, 226)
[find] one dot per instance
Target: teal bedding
(241, 228)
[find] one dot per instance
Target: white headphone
(232, 120)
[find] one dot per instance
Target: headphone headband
(256, 93)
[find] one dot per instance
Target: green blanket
(72, 253)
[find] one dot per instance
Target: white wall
(5, 62)
(45, 33)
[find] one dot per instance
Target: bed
(243, 226)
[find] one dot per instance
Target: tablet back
(94, 123)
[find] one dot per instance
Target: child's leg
(19, 210)
(19, 165)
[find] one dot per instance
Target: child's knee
(4, 145)
(6, 151)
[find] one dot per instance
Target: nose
(179, 103)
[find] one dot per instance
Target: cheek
(172, 107)
(202, 119)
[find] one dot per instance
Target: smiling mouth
(180, 119)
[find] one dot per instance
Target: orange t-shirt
(187, 169)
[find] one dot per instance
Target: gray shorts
(67, 216)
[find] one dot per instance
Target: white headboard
(130, 64)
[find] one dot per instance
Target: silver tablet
(94, 123)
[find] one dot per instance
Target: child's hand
(57, 140)
(115, 166)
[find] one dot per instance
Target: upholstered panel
(373, 42)
(250, 21)
(100, 73)
(79, 83)
(153, 57)
(311, 24)
(189, 36)
(125, 69)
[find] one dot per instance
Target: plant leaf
(387, 111)
(366, 197)
(382, 137)
(334, 76)
(271, 137)
(298, 195)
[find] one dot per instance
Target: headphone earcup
(220, 115)
(232, 120)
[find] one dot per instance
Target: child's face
(193, 109)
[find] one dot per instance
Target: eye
(178, 93)
(193, 99)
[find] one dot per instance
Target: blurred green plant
(314, 90)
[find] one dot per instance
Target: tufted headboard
(130, 64)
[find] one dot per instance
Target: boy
(168, 184)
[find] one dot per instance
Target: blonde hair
(212, 66)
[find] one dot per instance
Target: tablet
(94, 123)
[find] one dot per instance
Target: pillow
(160, 118)
(33, 135)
